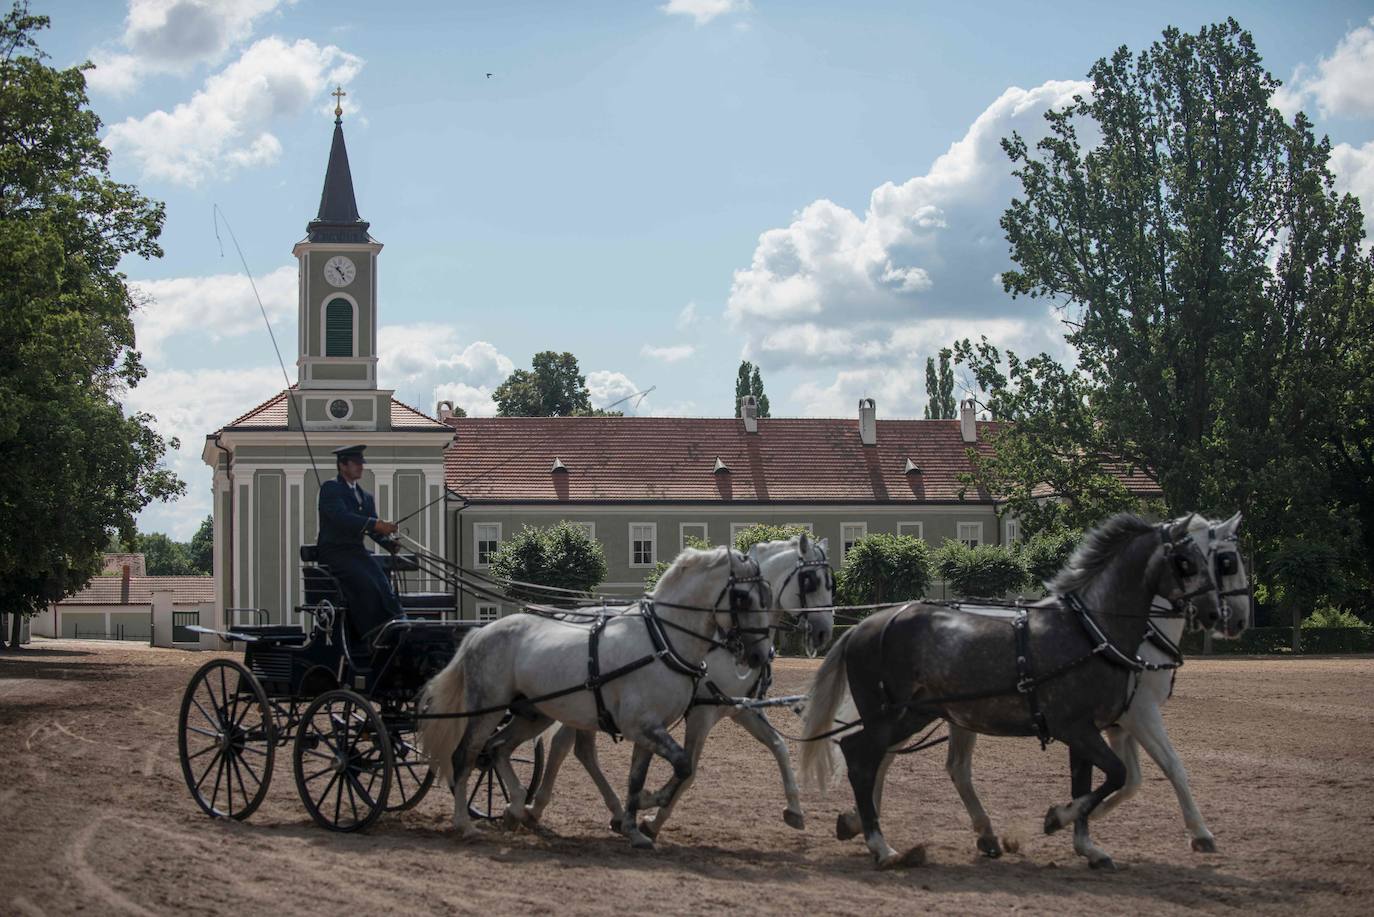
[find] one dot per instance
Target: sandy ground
(95, 818)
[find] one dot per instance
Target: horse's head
(1185, 578)
(803, 583)
(1228, 569)
(744, 610)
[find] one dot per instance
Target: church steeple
(338, 220)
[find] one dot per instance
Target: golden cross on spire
(338, 95)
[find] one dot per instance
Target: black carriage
(345, 706)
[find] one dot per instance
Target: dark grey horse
(1059, 671)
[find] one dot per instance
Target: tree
(561, 555)
(882, 568)
(748, 381)
(987, 571)
(76, 467)
(764, 531)
(1045, 553)
(162, 556)
(201, 551)
(553, 387)
(940, 387)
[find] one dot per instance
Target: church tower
(337, 318)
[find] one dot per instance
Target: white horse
(800, 578)
(647, 664)
(1140, 724)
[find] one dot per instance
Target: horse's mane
(689, 561)
(1099, 547)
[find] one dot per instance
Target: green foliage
(162, 556)
(764, 531)
(884, 568)
(748, 381)
(1332, 617)
(561, 555)
(987, 571)
(1045, 553)
(651, 581)
(940, 387)
(76, 466)
(201, 551)
(553, 387)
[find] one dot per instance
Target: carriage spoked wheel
(413, 778)
(226, 738)
(343, 761)
(488, 797)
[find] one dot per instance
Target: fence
(181, 624)
(120, 633)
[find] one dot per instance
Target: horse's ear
(804, 544)
(1180, 528)
(824, 545)
(1229, 528)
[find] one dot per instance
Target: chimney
(124, 586)
(443, 411)
(868, 421)
(749, 413)
(968, 421)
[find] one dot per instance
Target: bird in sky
(488, 76)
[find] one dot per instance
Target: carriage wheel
(488, 797)
(343, 761)
(413, 776)
(226, 737)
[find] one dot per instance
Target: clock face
(339, 409)
(340, 271)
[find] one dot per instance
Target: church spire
(338, 219)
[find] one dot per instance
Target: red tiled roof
(670, 459)
(105, 590)
(271, 415)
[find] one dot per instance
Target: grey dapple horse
(649, 663)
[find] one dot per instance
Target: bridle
(1185, 568)
(810, 574)
(740, 592)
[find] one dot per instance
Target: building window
(486, 538)
(487, 612)
(850, 532)
(1013, 530)
(690, 530)
(914, 529)
(643, 538)
(338, 328)
(971, 533)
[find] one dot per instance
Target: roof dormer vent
(558, 466)
(721, 467)
(911, 467)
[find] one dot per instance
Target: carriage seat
(427, 604)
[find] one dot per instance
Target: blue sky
(661, 188)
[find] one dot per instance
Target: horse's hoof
(617, 824)
(642, 843)
(794, 819)
(510, 821)
(1204, 845)
(647, 829)
(916, 856)
(989, 847)
(1011, 845)
(1052, 822)
(843, 829)
(1104, 863)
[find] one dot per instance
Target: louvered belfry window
(338, 329)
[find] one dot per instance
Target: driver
(347, 512)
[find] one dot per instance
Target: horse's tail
(444, 694)
(819, 757)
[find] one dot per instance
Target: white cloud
(213, 307)
(428, 363)
(672, 353)
(608, 387)
(688, 316)
(839, 287)
(225, 125)
(1353, 167)
(172, 36)
(703, 11)
(1339, 85)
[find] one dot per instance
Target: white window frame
(920, 529)
(487, 612)
(962, 527)
(1013, 530)
(653, 543)
(682, 528)
(844, 548)
(477, 543)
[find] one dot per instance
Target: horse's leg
(639, 771)
(518, 731)
(700, 720)
(559, 746)
(959, 766)
(864, 754)
(1087, 749)
(1147, 726)
(848, 824)
(757, 725)
(1124, 746)
(585, 749)
(475, 736)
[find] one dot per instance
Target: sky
(661, 188)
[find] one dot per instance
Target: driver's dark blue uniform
(347, 513)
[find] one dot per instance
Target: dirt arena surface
(95, 818)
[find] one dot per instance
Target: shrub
(986, 571)
(757, 534)
(562, 555)
(884, 568)
(1332, 617)
(1045, 554)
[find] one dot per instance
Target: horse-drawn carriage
(345, 705)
